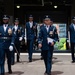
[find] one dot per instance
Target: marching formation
(12, 35)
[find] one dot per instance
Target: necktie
(47, 27)
(16, 28)
(5, 25)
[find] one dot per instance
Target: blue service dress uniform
(19, 32)
(47, 49)
(30, 31)
(72, 40)
(6, 39)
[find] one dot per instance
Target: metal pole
(18, 54)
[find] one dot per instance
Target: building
(61, 11)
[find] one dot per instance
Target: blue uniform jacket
(18, 33)
(4, 42)
(30, 32)
(43, 35)
(72, 33)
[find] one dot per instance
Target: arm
(56, 38)
(21, 34)
(12, 41)
(40, 38)
(13, 37)
(25, 36)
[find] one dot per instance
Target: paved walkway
(61, 66)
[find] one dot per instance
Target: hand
(20, 39)
(40, 45)
(11, 48)
(52, 44)
(25, 38)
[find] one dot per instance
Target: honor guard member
(6, 44)
(30, 29)
(72, 38)
(18, 31)
(46, 40)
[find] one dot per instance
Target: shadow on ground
(56, 72)
(15, 73)
(36, 59)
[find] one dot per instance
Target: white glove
(25, 38)
(20, 39)
(11, 48)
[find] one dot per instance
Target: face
(30, 19)
(47, 22)
(16, 23)
(5, 21)
(51, 22)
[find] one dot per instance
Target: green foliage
(62, 44)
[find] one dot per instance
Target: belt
(5, 38)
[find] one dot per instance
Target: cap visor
(47, 19)
(5, 18)
(30, 17)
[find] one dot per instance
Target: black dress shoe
(18, 61)
(41, 58)
(73, 61)
(12, 63)
(47, 73)
(2, 74)
(30, 60)
(10, 72)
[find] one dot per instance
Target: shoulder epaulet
(41, 26)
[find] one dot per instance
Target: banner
(61, 30)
